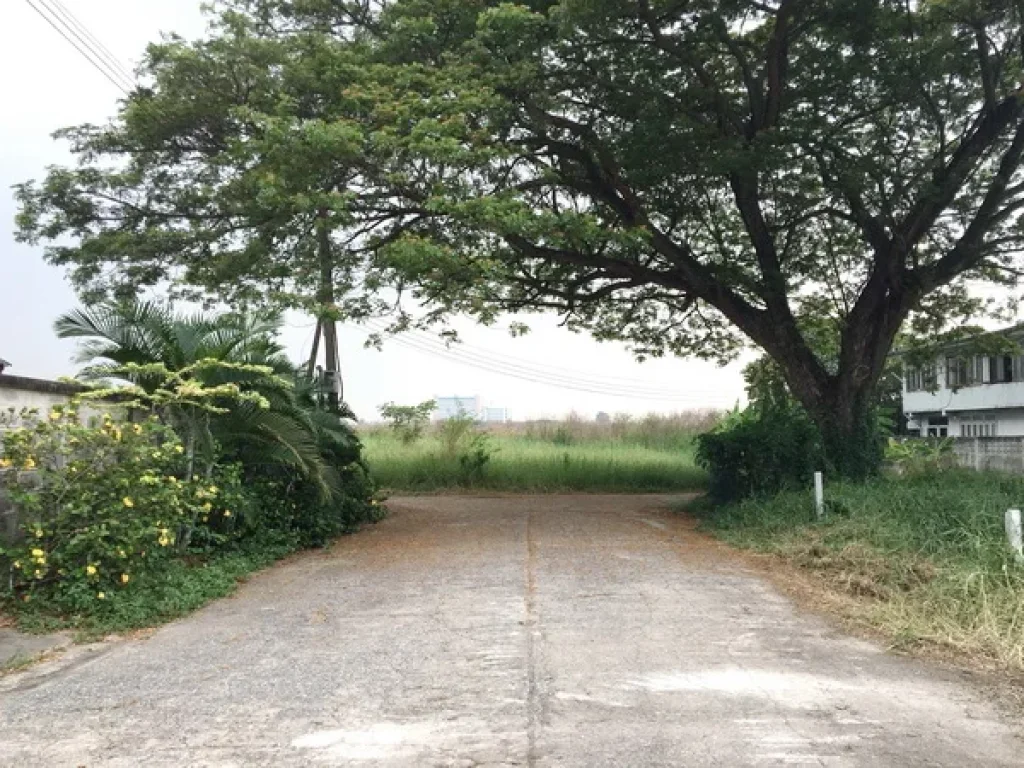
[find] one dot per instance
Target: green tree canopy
(687, 177)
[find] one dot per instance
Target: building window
(921, 378)
(961, 372)
(1005, 368)
(938, 426)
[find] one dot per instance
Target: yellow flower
(5, 463)
(125, 578)
(91, 570)
(73, 469)
(179, 449)
(173, 479)
(30, 463)
(163, 541)
(101, 596)
(127, 501)
(137, 429)
(375, 503)
(17, 564)
(212, 490)
(116, 432)
(54, 415)
(121, 553)
(37, 553)
(39, 574)
(39, 533)
(227, 513)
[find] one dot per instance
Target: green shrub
(298, 508)
(408, 422)
(99, 504)
(456, 432)
(759, 452)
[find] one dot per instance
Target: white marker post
(1014, 533)
(819, 496)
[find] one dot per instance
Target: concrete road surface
(532, 631)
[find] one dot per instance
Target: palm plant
(143, 342)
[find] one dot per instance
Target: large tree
(230, 175)
(685, 175)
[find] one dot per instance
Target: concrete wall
(1005, 454)
(18, 393)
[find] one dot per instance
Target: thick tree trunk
(849, 433)
(327, 324)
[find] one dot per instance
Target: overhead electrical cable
(535, 375)
(105, 53)
(379, 327)
(74, 40)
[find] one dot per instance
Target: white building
(967, 395)
(492, 415)
(449, 407)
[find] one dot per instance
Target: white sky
(48, 85)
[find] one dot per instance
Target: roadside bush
(754, 452)
(915, 455)
(408, 422)
(456, 432)
(227, 463)
(474, 459)
(100, 505)
(298, 509)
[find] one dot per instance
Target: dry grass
(920, 560)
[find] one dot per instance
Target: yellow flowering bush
(96, 505)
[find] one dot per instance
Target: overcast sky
(48, 85)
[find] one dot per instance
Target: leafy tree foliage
(222, 382)
(685, 176)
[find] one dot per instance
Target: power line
(97, 45)
(578, 387)
(84, 51)
(536, 376)
(518, 361)
(549, 375)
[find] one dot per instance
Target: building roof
(1010, 330)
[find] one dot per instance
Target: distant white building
(449, 407)
(459, 405)
(966, 395)
(493, 415)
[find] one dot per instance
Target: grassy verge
(924, 559)
(523, 463)
(179, 589)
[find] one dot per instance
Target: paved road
(548, 631)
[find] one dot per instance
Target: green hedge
(753, 453)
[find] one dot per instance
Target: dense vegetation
(209, 456)
(626, 455)
(923, 554)
(688, 177)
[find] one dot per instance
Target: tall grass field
(925, 556)
(625, 455)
